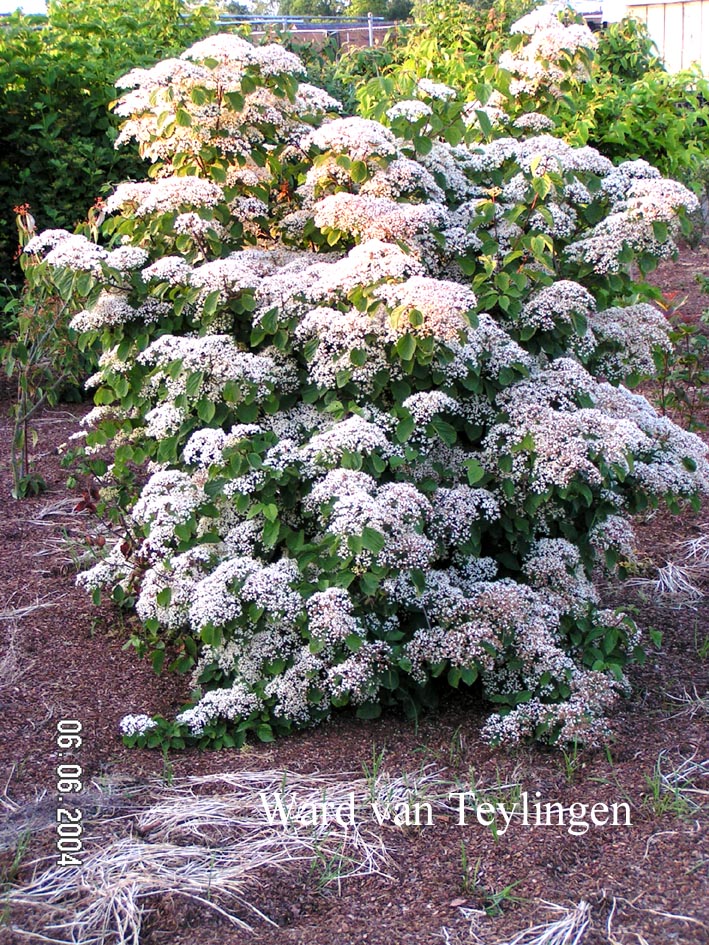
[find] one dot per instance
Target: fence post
(370, 27)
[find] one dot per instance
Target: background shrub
(57, 79)
(626, 104)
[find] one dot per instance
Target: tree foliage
(57, 79)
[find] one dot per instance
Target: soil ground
(646, 883)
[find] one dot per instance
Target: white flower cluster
(214, 600)
(436, 90)
(331, 618)
(631, 226)
(449, 165)
(457, 511)
(358, 675)
(352, 435)
(72, 252)
(169, 498)
(339, 334)
(48, 239)
(581, 718)
(626, 340)
(486, 349)
(109, 310)
(366, 217)
(372, 262)
(556, 304)
(618, 182)
(404, 178)
(551, 54)
(217, 360)
(164, 196)
(174, 270)
(359, 138)
(228, 277)
(425, 405)
(554, 564)
(234, 703)
(206, 447)
(493, 109)
(604, 246)
(614, 532)
(178, 574)
(127, 258)
(659, 200)
(397, 511)
(534, 122)
(441, 305)
(412, 110)
(136, 725)
(291, 689)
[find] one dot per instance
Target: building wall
(680, 29)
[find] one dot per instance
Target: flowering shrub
(376, 378)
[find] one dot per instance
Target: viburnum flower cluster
(552, 52)
(362, 397)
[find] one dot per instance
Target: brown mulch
(676, 279)
(649, 879)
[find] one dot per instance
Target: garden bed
(64, 658)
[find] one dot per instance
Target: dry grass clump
(568, 929)
(683, 579)
(204, 839)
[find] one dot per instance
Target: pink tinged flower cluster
(366, 217)
(443, 305)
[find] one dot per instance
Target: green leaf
(271, 531)
(206, 410)
(370, 710)
(369, 584)
(373, 540)
(194, 382)
(235, 100)
(423, 144)
(485, 123)
(660, 230)
(405, 428)
(406, 347)
(445, 431)
(158, 659)
(475, 471)
(210, 635)
(358, 171)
